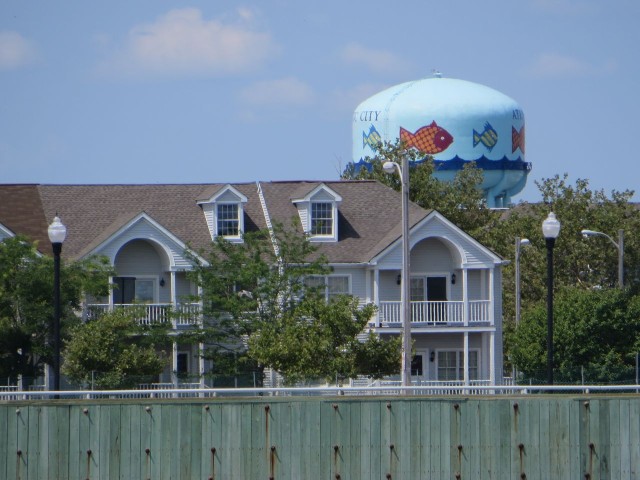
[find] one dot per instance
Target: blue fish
(489, 137)
(372, 139)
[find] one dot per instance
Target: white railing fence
(183, 314)
(436, 312)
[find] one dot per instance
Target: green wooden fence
(369, 437)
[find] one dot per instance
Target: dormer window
(228, 220)
(321, 218)
(224, 212)
(318, 210)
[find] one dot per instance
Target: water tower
(456, 122)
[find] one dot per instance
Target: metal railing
(436, 312)
(182, 314)
(416, 390)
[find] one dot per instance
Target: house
(145, 231)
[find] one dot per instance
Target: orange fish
(430, 139)
(517, 139)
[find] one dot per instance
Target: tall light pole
(520, 242)
(57, 234)
(619, 246)
(550, 231)
(389, 167)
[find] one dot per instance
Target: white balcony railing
(436, 313)
(183, 314)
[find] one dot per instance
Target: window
(331, 286)
(145, 290)
(417, 289)
(321, 218)
(228, 220)
(451, 365)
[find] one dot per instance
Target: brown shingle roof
(21, 211)
(369, 216)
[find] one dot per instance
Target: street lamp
(403, 170)
(619, 246)
(57, 234)
(520, 242)
(550, 231)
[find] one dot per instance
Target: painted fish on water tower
(454, 121)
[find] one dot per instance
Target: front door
(437, 293)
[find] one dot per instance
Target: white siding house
(149, 234)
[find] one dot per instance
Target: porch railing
(436, 312)
(183, 314)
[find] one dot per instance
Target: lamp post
(57, 234)
(520, 242)
(619, 246)
(550, 231)
(403, 170)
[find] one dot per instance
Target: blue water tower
(454, 121)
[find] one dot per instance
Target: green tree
(598, 330)
(26, 303)
(255, 295)
(581, 263)
(461, 200)
(115, 352)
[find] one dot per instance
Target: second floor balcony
(180, 315)
(437, 313)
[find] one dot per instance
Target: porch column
(174, 364)
(376, 294)
(492, 358)
(465, 296)
(491, 298)
(466, 358)
(173, 288)
(201, 363)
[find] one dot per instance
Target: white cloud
(182, 42)
(15, 51)
(374, 60)
(284, 91)
(554, 65)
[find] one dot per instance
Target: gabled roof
(21, 212)
(369, 217)
(368, 221)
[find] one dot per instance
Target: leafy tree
(317, 339)
(589, 264)
(461, 200)
(26, 303)
(115, 352)
(256, 296)
(595, 329)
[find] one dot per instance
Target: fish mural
(429, 139)
(372, 139)
(488, 137)
(517, 139)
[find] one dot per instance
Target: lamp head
(524, 241)
(57, 231)
(389, 167)
(551, 226)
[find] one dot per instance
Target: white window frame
(239, 219)
(312, 219)
(459, 363)
(155, 279)
(325, 282)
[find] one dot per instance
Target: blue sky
(185, 92)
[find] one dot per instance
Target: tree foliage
(595, 329)
(26, 303)
(262, 311)
(461, 200)
(115, 351)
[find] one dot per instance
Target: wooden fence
(298, 438)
